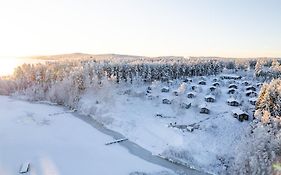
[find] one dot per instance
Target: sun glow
(7, 65)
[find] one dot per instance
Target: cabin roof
(253, 99)
(204, 105)
(230, 76)
(238, 112)
(231, 99)
(193, 93)
(250, 86)
(231, 89)
(210, 96)
(232, 85)
(250, 91)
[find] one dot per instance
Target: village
(210, 95)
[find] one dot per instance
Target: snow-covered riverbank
(58, 145)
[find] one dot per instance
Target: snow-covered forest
(95, 83)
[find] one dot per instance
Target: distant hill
(130, 58)
(76, 56)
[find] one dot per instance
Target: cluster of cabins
(233, 89)
(250, 91)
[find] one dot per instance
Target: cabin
(245, 83)
(250, 88)
(253, 100)
(212, 88)
(210, 98)
(216, 84)
(187, 80)
(175, 93)
(250, 93)
(190, 95)
(204, 109)
(259, 84)
(202, 82)
(230, 76)
(170, 82)
(165, 89)
(185, 105)
(194, 87)
(234, 86)
(231, 91)
(233, 102)
(166, 101)
(215, 80)
(240, 115)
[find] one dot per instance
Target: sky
(227, 28)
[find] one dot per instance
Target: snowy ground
(58, 144)
(131, 112)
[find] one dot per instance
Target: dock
(116, 141)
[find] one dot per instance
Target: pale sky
(233, 28)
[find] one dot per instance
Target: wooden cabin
(202, 82)
(210, 98)
(212, 88)
(240, 115)
(165, 89)
(233, 86)
(194, 87)
(245, 83)
(166, 101)
(231, 91)
(253, 100)
(185, 105)
(215, 80)
(250, 88)
(251, 93)
(230, 76)
(216, 84)
(175, 93)
(259, 84)
(204, 109)
(187, 80)
(190, 95)
(233, 102)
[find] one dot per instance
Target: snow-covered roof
(210, 96)
(213, 87)
(253, 99)
(231, 89)
(250, 91)
(231, 99)
(193, 93)
(204, 105)
(232, 85)
(230, 75)
(250, 86)
(238, 111)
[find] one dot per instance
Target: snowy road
(60, 144)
